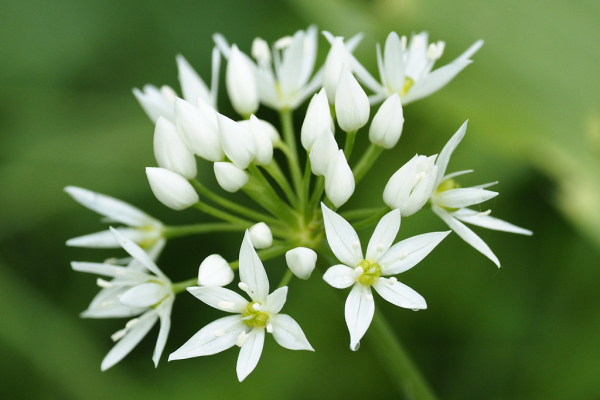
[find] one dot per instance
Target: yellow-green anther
(365, 265)
(448, 184)
(408, 82)
(256, 318)
(371, 271)
(261, 319)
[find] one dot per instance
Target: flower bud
(171, 189)
(318, 119)
(260, 236)
(238, 142)
(323, 151)
(214, 271)
(170, 150)
(268, 127)
(241, 83)
(386, 126)
(301, 261)
(410, 187)
(351, 102)
(339, 181)
(264, 146)
(338, 55)
(230, 177)
(154, 103)
(198, 131)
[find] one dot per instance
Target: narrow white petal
(250, 353)
(417, 60)
(222, 44)
(219, 298)
(192, 85)
(252, 271)
(111, 270)
(455, 174)
(485, 221)
(106, 304)
(145, 295)
(339, 276)
(276, 300)
(400, 295)
(384, 235)
(103, 239)
(458, 198)
(444, 157)
(154, 103)
(409, 252)
(394, 63)
(288, 333)
(291, 68)
(214, 81)
(434, 81)
(466, 234)
(470, 51)
(164, 312)
(342, 238)
(359, 313)
(136, 252)
(352, 43)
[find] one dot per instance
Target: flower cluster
(296, 214)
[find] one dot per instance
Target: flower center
(371, 271)
(446, 185)
(252, 316)
(408, 82)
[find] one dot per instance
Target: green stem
(361, 213)
(277, 174)
(286, 278)
(181, 286)
(261, 191)
(317, 193)
(350, 137)
(366, 162)
(304, 205)
(287, 126)
(225, 216)
(373, 219)
(170, 232)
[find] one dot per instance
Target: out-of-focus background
(67, 117)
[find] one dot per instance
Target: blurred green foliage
(67, 116)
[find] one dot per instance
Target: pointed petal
(276, 300)
(455, 174)
(205, 343)
(434, 81)
(288, 333)
(164, 312)
(123, 273)
(219, 298)
(384, 235)
(470, 51)
(409, 252)
(339, 276)
(400, 295)
(106, 304)
(394, 63)
(136, 252)
(342, 238)
(192, 85)
(252, 271)
(214, 79)
(485, 221)
(444, 157)
(222, 44)
(106, 240)
(154, 103)
(250, 353)
(417, 55)
(145, 295)
(352, 43)
(359, 313)
(458, 198)
(466, 234)
(291, 68)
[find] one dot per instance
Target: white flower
(214, 271)
(198, 129)
(241, 83)
(339, 180)
(450, 202)
(301, 261)
(410, 187)
(364, 273)
(170, 150)
(387, 123)
(340, 54)
(267, 127)
(141, 228)
(407, 70)
(139, 288)
(171, 189)
(323, 151)
(230, 177)
(352, 106)
(260, 236)
(317, 120)
(264, 145)
(159, 102)
(252, 318)
(237, 141)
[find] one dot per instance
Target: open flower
(141, 228)
(364, 273)
(450, 201)
(139, 288)
(252, 318)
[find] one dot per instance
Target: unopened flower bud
(261, 51)
(318, 119)
(214, 271)
(339, 181)
(198, 131)
(241, 83)
(260, 236)
(351, 102)
(323, 152)
(237, 141)
(170, 150)
(268, 127)
(230, 177)
(387, 123)
(171, 189)
(301, 261)
(338, 55)
(264, 146)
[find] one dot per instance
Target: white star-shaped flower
(252, 318)
(139, 288)
(364, 273)
(141, 228)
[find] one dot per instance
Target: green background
(67, 117)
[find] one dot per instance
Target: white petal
(215, 271)
(359, 313)
(417, 60)
(250, 353)
(171, 152)
(434, 81)
(171, 189)
(398, 188)
(264, 146)
(455, 174)
(192, 85)
(323, 151)
(230, 177)
(339, 180)
(400, 295)
(409, 252)
(122, 273)
(384, 235)
(205, 343)
(288, 333)
(352, 105)
(466, 234)
(214, 81)
(339, 276)
(130, 340)
(237, 141)
(291, 68)
(276, 300)
(485, 221)
(106, 304)
(470, 51)
(219, 298)
(154, 103)
(104, 239)
(222, 44)
(342, 238)
(136, 252)
(393, 63)
(444, 157)
(144, 295)
(198, 130)
(252, 271)
(111, 208)
(458, 198)
(164, 312)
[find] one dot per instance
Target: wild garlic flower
(382, 260)
(138, 289)
(247, 327)
(143, 229)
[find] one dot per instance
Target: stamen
(118, 335)
(257, 307)
(243, 286)
(131, 323)
(226, 305)
(260, 51)
(369, 297)
(380, 247)
(241, 339)
(358, 271)
(356, 244)
(270, 328)
(247, 317)
(392, 280)
(168, 93)
(108, 303)
(119, 272)
(485, 213)
(403, 255)
(284, 42)
(372, 270)
(102, 283)
(219, 333)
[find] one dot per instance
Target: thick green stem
(170, 232)
(361, 213)
(261, 191)
(372, 220)
(316, 195)
(181, 286)
(286, 278)
(277, 174)
(225, 216)
(287, 126)
(304, 204)
(366, 162)
(350, 137)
